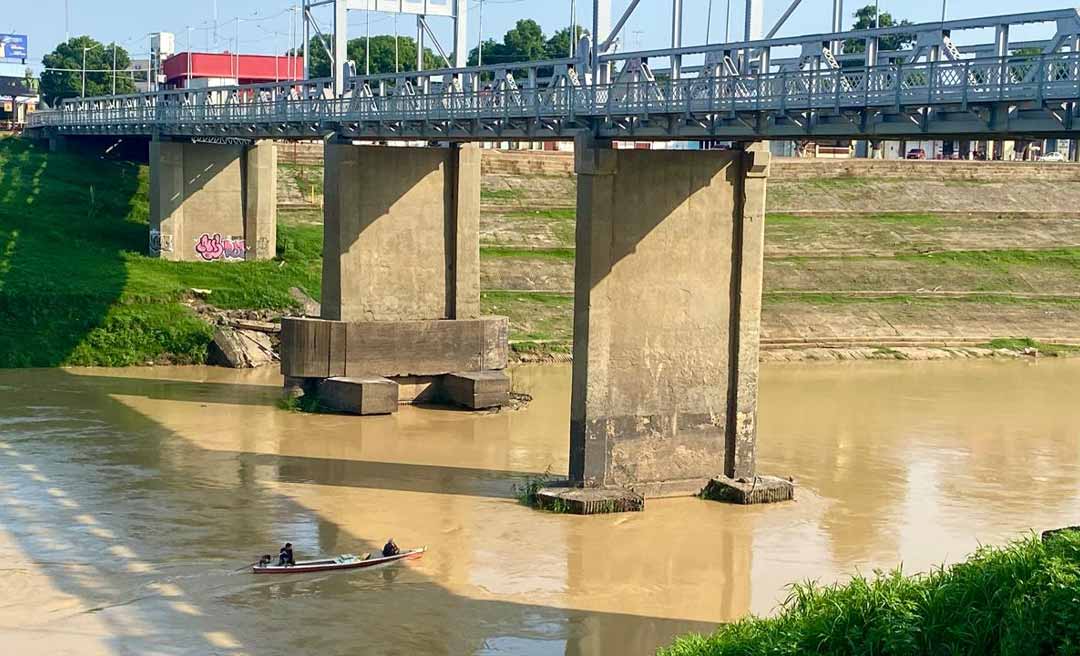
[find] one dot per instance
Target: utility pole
(367, 42)
(82, 94)
(573, 28)
(480, 46)
(114, 65)
(708, 23)
(67, 21)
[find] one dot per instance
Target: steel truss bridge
(779, 88)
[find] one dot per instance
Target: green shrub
(1018, 600)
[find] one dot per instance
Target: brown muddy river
(130, 497)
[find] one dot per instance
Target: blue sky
(265, 26)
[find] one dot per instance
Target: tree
(526, 40)
(63, 78)
(558, 46)
(382, 55)
(865, 20)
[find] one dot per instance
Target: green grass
(560, 254)
(564, 214)
(1021, 344)
(1066, 258)
(826, 298)
(1018, 600)
(896, 218)
(76, 287)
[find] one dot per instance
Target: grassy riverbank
(76, 287)
(1018, 600)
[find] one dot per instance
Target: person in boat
(285, 556)
(266, 560)
(391, 549)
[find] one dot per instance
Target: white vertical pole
(837, 23)
(755, 21)
(708, 23)
(601, 29)
(114, 64)
(341, 45)
(367, 42)
(188, 83)
(727, 23)
(676, 37)
(480, 45)
(306, 36)
(573, 28)
(419, 43)
(461, 33)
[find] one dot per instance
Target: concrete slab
(750, 490)
(589, 500)
(477, 389)
(367, 395)
(325, 349)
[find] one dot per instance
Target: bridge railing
(421, 98)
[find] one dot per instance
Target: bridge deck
(930, 90)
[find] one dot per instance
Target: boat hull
(330, 565)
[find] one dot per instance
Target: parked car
(1054, 156)
(916, 153)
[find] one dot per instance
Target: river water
(130, 497)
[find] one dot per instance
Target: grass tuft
(1020, 599)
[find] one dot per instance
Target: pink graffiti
(214, 247)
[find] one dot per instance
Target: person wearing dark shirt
(285, 556)
(390, 549)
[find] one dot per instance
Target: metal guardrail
(1035, 93)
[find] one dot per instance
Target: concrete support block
(401, 233)
(323, 349)
(212, 202)
(750, 490)
(589, 501)
(360, 395)
(477, 390)
(666, 316)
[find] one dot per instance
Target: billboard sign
(12, 46)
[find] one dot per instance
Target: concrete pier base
(477, 390)
(750, 490)
(360, 395)
(401, 279)
(213, 202)
(588, 501)
(666, 317)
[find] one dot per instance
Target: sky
(265, 24)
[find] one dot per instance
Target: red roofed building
(218, 69)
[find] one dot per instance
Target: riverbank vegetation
(76, 285)
(1017, 600)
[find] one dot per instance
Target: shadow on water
(144, 529)
(65, 221)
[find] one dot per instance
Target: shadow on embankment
(65, 222)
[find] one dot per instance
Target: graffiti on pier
(215, 247)
(160, 243)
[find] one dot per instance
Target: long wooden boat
(344, 561)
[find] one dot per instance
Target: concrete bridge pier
(667, 312)
(401, 285)
(213, 202)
